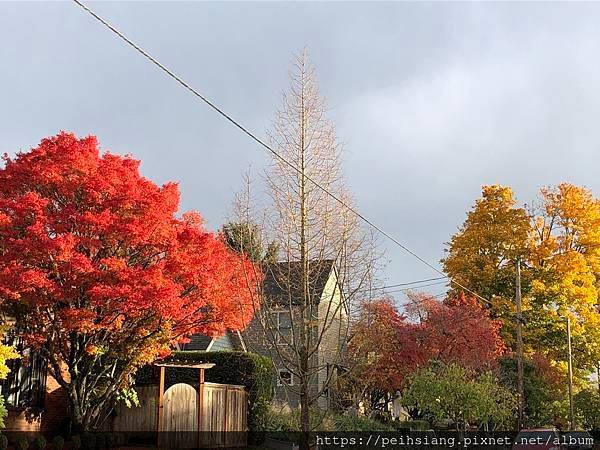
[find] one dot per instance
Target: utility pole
(570, 360)
(519, 344)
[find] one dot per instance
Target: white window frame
(283, 339)
(280, 382)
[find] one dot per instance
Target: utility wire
(406, 284)
(413, 288)
(386, 289)
(268, 148)
(416, 282)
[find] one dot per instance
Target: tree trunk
(304, 416)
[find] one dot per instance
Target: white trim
(212, 341)
(243, 344)
(280, 382)
(283, 339)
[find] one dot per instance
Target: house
(33, 398)
(230, 341)
(272, 331)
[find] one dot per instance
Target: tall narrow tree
(315, 233)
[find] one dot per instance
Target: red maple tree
(384, 349)
(458, 330)
(101, 274)
(387, 346)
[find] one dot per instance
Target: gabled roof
(197, 342)
(282, 282)
(231, 340)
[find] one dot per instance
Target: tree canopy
(558, 243)
(388, 347)
(450, 392)
(101, 273)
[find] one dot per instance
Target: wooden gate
(180, 417)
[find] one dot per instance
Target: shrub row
(289, 422)
(86, 441)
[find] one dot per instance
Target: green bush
(101, 441)
(253, 371)
(88, 441)
(58, 443)
(289, 422)
(412, 425)
(22, 443)
(3, 412)
(359, 424)
(3, 442)
(281, 422)
(39, 442)
(76, 441)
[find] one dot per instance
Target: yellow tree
(483, 253)
(566, 259)
(6, 352)
(558, 242)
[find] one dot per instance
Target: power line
(268, 148)
(411, 282)
(413, 285)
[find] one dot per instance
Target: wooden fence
(137, 419)
(222, 422)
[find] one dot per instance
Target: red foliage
(91, 247)
(457, 330)
(387, 344)
(548, 371)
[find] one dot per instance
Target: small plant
(58, 443)
(111, 440)
(3, 442)
(88, 441)
(76, 441)
(22, 443)
(101, 441)
(413, 425)
(39, 442)
(121, 439)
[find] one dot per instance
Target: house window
(283, 321)
(285, 378)
(25, 384)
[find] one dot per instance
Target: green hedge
(255, 372)
(289, 422)
(359, 424)
(412, 425)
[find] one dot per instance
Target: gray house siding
(223, 343)
(331, 320)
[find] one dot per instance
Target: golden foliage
(558, 242)
(6, 352)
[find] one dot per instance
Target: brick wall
(49, 418)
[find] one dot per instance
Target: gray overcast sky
(432, 100)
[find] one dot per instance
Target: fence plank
(223, 416)
(138, 419)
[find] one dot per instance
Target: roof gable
(282, 284)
